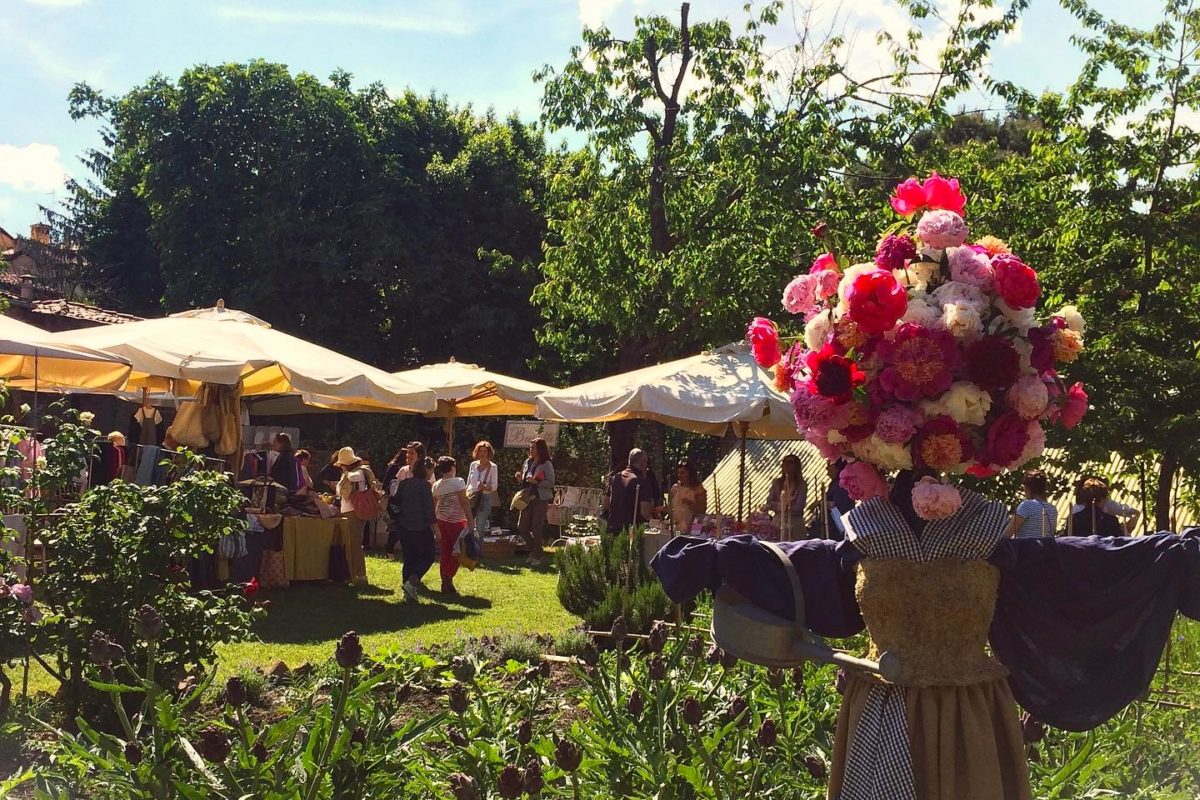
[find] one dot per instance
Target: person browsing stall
(628, 504)
(482, 479)
(416, 527)
(537, 474)
(453, 510)
(688, 498)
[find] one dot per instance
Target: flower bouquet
(928, 357)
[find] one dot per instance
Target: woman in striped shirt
(1035, 517)
(452, 510)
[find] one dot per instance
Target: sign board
(519, 433)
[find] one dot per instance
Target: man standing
(628, 502)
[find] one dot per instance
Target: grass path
(306, 620)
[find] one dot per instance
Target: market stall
(708, 393)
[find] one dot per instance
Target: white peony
(961, 321)
(86, 418)
(1020, 318)
(883, 454)
(1073, 319)
(917, 275)
(964, 402)
(920, 312)
(960, 294)
(817, 331)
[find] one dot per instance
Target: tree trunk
(622, 436)
(1167, 467)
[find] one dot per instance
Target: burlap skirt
(965, 741)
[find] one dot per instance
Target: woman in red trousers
(452, 509)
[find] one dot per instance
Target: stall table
(306, 543)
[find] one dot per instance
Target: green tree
(708, 158)
(358, 220)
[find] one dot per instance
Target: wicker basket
(498, 549)
(760, 637)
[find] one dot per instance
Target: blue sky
(477, 51)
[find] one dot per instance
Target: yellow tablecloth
(306, 542)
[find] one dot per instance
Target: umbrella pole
(450, 428)
(741, 429)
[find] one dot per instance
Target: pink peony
(875, 301)
(862, 481)
(941, 229)
(23, 592)
(1006, 440)
(800, 296)
(908, 198)
(893, 251)
(826, 282)
(828, 450)
(897, 424)
(1074, 407)
(763, 337)
(917, 362)
(1035, 445)
(935, 500)
(944, 193)
(1016, 282)
(826, 262)
(1028, 396)
(816, 413)
(969, 267)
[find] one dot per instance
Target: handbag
(522, 499)
(366, 501)
(273, 570)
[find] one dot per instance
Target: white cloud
(57, 3)
(33, 168)
(436, 19)
(59, 65)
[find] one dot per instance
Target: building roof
(763, 466)
(81, 311)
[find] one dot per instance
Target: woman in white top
(1035, 517)
(482, 480)
(452, 509)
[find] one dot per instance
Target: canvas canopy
(701, 394)
(176, 354)
(29, 360)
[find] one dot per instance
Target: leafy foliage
(610, 580)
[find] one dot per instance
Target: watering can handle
(797, 590)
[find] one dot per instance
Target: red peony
(876, 301)
(1041, 341)
(978, 470)
(833, 375)
(941, 445)
(992, 363)
(763, 337)
(823, 262)
(251, 588)
(918, 363)
(1006, 439)
(1015, 281)
(1075, 406)
(936, 192)
(894, 252)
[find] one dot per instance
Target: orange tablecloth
(306, 543)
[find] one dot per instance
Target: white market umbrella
(176, 354)
(706, 393)
(30, 360)
(219, 313)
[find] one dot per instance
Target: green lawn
(306, 620)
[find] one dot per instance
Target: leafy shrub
(125, 546)
(610, 580)
(571, 642)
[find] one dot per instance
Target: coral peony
(897, 424)
(991, 245)
(763, 337)
(971, 267)
(1007, 437)
(833, 375)
(1028, 397)
(992, 363)
(862, 481)
(785, 370)
(941, 445)
(918, 363)
(848, 334)
(1067, 345)
(941, 229)
(875, 301)
(893, 251)
(800, 296)
(1015, 281)
(935, 500)
(1074, 406)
